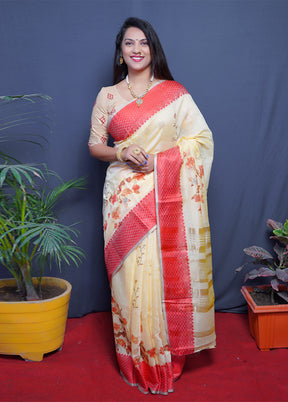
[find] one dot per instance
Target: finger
(143, 157)
(132, 165)
(144, 154)
(139, 153)
(136, 160)
(139, 160)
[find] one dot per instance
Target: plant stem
(31, 293)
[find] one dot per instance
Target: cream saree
(157, 237)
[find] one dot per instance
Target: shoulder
(179, 86)
(107, 92)
(171, 91)
(106, 97)
(174, 87)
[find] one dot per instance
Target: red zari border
(174, 254)
(137, 223)
(158, 378)
(129, 119)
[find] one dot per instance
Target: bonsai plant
(268, 322)
(273, 267)
(29, 228)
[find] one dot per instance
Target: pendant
(139, 101)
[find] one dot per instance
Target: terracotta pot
(32, 328)
(268, 324)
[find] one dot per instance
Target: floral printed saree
(157, 236)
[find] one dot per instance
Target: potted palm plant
(268, 303)
(31, 237)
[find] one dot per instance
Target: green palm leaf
(19, 173)
(52, 239)
(53, 196)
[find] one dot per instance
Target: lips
(137, 58)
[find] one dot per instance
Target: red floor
(86, 370)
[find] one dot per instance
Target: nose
(137, 48)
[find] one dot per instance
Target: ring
(136, 151)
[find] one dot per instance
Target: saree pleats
(141, 341)
(157, 238)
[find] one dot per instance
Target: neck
(138, 77)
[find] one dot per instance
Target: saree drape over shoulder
(157, 236)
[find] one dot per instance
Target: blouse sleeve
(99, 120)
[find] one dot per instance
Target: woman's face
(135, 50)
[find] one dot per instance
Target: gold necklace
(139, 99)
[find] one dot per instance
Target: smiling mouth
(137, 58)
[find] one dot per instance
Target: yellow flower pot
(32, 328)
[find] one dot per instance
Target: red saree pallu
(177, 302)
(157, 237)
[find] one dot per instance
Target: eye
(145, 43)
(128, 43)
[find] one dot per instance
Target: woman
(156, 229)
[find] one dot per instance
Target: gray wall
(230, 54)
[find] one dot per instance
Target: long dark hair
(159, 64)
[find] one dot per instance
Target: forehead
(134, 33)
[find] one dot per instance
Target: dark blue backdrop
(232, 55)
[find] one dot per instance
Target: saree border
(143, 218)
(175, 271)
(160, 251)
(158, 379)
(135, 117)
(132, 249)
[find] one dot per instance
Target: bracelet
(118, 154)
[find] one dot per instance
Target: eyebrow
(133, 40)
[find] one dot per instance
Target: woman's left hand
(147, 167)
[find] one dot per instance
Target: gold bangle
(118, 154)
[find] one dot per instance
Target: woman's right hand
(134, 154)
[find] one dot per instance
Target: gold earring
(121, 60)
